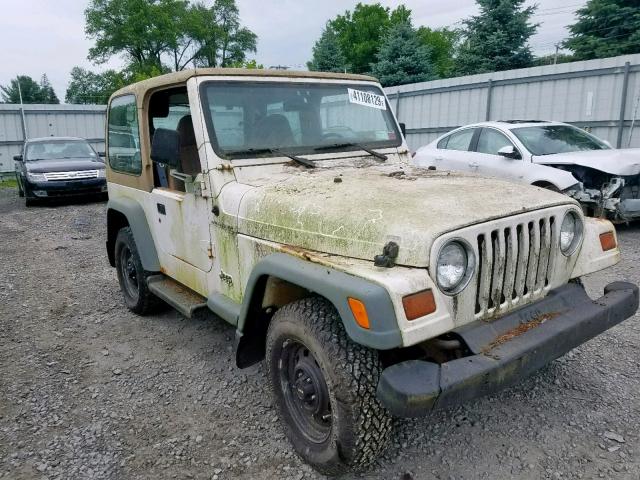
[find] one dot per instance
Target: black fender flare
(384, 332)
(137, 221)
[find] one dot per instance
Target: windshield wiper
(378, 155)
(295, 158)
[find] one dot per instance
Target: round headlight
(454, 267)
(570, 233)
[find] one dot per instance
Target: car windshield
(58, 149)
(551, 139)
(248, 119)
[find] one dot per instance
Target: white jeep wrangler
(284, 203)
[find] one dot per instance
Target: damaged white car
(553, 155)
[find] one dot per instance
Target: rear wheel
(325, 388)
(131, 275)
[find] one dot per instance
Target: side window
(490, 141)
(124, 137)
(460, 140)
(442, 144)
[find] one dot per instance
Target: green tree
(142, 30)
(605, 28)
(552, 59)
(497, 38)
(402, 58)
(443, 43)
(47, 93)
(217, 35)
(32, 91)
(360, 33)
(88, 87)
(327, 55)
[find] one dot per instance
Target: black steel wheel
(131, 275)
(305, 391)
(325, 388)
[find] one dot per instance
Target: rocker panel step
(182, 298)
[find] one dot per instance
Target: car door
(490, 163)
(181, 208)
(452, 152)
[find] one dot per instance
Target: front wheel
(325, 388)
(131, 275)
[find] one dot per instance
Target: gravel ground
(89, 390)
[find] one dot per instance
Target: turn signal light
(359, 312)
(608, 241)
(419, 304)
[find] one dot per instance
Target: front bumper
(566, 318)
(63, 188)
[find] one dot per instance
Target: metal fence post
(487, 116)
(623, 103)
(398, 105)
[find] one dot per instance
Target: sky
(47, 36)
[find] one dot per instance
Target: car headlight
(102, 173)
(454, 267)
(36, 177)
(571, 232)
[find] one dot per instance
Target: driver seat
(273, 131)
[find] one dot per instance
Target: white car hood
(622, 162)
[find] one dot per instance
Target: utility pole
(25, 134)
(555, 57)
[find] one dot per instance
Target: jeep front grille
(514, 263)
(72, 175)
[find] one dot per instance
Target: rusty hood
(354, 212)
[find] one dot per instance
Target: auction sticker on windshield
(367, 99)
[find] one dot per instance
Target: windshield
(71, 149)
(245, 119)
(550, 139)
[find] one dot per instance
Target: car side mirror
(165, 147)
(17, 158)
(509, 151)
(102, 154)
(403, 129)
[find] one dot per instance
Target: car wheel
(132, 276)
(325, 388)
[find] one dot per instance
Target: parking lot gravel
(90, 390)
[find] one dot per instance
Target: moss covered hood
(354, 212)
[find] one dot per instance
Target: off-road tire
(141, 301)
(360, 427)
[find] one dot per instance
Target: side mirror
(17, 158)
(403, 129)
(102, 154)
(509, 151)
(165, 147)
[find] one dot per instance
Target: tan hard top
(140, 88)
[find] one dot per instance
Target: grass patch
(8, 182)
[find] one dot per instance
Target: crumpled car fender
(536, 173)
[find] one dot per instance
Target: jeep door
(181, 200)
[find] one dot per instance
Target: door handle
(438, 159)
(473, 165)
